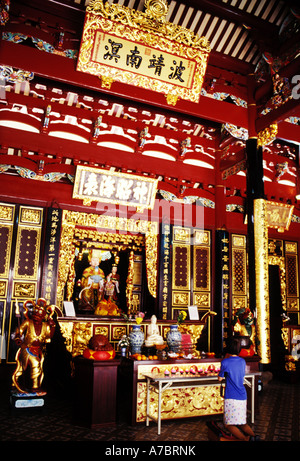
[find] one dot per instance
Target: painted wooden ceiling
(243, 34)
(239, 29)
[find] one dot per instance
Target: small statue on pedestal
(153, 335)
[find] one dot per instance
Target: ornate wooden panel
(239, 271)
(181, 267)
(20, 243)
(292, 276)
(201, 268)
(7, 215)
(191, 269)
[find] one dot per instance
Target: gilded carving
(181, 234)
(290, 364)
(109, 237)
(24, 290)
(149, 29)
(154, 18)
(101, 330)
(180, 403)
(202, 300)
(106, 82)
(292, 304)
(31, 215)
(82, 333)
(129, 283)
(239, 302)
(180, 298)
(118, 332)
(109, 222)
(7, 212)
(172, 99)
(3, 286)
(291, 247)
(285, 337)
(279, 261)
(202, 237)
(239, 240)
(66, 256)
(267, 135)
(66, 329)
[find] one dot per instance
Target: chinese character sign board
(122, 55)
(92, 184)
(120, 44)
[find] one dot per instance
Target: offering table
(178, 402)
(161, 382)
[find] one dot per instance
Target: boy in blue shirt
(233, 368)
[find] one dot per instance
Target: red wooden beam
(79, 112)
(77, 151)
(62, 69)
(290, 108)
(289, 132)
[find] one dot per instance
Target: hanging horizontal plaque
(143, 49)
(96, 185)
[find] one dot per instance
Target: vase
(123, 351)
(136, 339)
(174, 338)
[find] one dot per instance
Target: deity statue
(32, 336)
(112, 286)
(92, 282)
(99, 294)
(109, 305)
(243, 326)
(153, 335)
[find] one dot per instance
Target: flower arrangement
(181, 317)
(139, 317)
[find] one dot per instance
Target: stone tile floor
(278, 419)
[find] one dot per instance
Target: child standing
(233, 368)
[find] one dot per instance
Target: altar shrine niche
(101, 281)
(104, 272)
